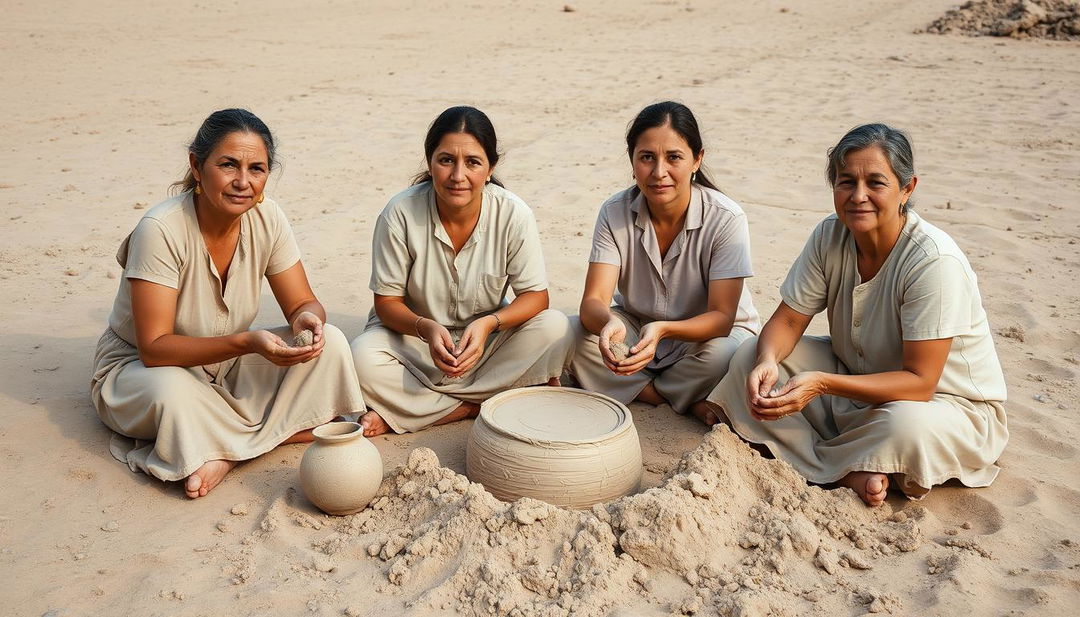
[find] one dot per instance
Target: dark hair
(681, 120)
(894, 143)
(461, 119)
(216, 127)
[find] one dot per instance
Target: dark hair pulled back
(460, 119)
(215, 128)
(681, 120)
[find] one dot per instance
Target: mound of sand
(1044, 19)
(727, 533)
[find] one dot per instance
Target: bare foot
(649, 395)
(703, 411)
(207, 477)
(373, 424)
(463, 411)
(870, 486)
(554, 381)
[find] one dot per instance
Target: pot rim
(336, 432)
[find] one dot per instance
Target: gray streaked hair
(893, 142)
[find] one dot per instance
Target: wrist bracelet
(416, 327)
(498, 322)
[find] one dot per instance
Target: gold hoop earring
(198, 189)
(262, 196)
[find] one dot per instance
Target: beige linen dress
(714, 244)
(925, 290)
(182, 417)
(413, 258)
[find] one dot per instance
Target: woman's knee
(165, 385)
(369, 349)
(912, 425)
(552, 326)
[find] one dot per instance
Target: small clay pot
(341, 472)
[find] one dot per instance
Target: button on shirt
(413, 257)
(714, 244)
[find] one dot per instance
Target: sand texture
(101, 98)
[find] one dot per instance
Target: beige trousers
(928, 442)
(683, 376)
(401, 382)
(236, 410)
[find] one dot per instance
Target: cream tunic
(714, 244)
(234, 410)
(925, 290)
(413, 258)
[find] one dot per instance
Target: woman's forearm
(312, 306)
(708, 325)
(178, 350)
(594, 314)
(394, 314)
(877, 388)
(780, 334)
(522, 309)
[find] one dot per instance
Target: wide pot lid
(545, 415)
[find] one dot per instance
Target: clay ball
(619, 350)
(303, 338)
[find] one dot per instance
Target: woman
(177, 367)
(441, 338)
(674, 250)
(908, 383)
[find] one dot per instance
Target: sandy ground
(99, 100)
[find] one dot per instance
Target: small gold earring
(262, 196)
(198, 189)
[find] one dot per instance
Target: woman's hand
(270, 346)
(473, 341)
(440, 345)
(643, 352)
(760, 382)
(613, 330)
(306, 320)
(792, 397)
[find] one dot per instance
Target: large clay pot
(341, 472)
(567, 447)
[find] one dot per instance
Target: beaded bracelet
(498, 322)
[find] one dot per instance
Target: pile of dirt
(1043, 19)
(736, 534)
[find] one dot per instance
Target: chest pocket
(490, 292)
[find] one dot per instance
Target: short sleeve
(604, 249)
(284, 252)
(525, 259)
(805, 289)
(937, 300)
(153, 254)
(730, 256)
(390, 260)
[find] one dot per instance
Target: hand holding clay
(440, 345)
(790, 398)
(471, 346)
(614, 331)
(273, 348)
(760, 382)
(642, 353)
(619, 350)
(308, 333)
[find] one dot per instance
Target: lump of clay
(303, 338)
(619, 350)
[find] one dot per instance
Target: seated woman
(674, 250)
(441, 338)
(907, 383)
(177, 367)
